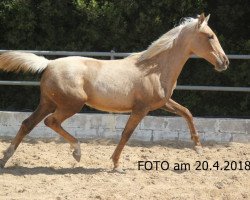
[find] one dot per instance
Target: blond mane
(166, 41)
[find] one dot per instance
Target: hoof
(198, 150)
(77, 151)
(119, 170)
(76, 156)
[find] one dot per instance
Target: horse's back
(108, 85)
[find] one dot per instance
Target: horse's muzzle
(222, 64)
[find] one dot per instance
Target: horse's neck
(171, 63)
(167, 66)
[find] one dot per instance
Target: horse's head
(205, 44)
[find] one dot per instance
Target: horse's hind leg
(27, 125)
(55, 120)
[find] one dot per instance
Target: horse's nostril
(226, 61)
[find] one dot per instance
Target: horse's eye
(210, 37)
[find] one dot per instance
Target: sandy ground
(46, 170)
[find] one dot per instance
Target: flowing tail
(15, 61)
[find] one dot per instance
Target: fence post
(112, 56)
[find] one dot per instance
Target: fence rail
(112, 55)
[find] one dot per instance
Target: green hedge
(128, 26)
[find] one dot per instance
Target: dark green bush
(128, 26)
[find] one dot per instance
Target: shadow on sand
(21, 171)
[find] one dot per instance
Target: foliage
(127, 26)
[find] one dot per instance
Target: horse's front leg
(134, 119)
(178, 109)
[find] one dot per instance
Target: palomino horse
(137, 84)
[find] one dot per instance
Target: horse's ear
(201, 20)
(207, 18)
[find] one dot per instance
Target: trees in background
(128, 26)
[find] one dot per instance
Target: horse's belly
(109, 105)
(112, 101)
